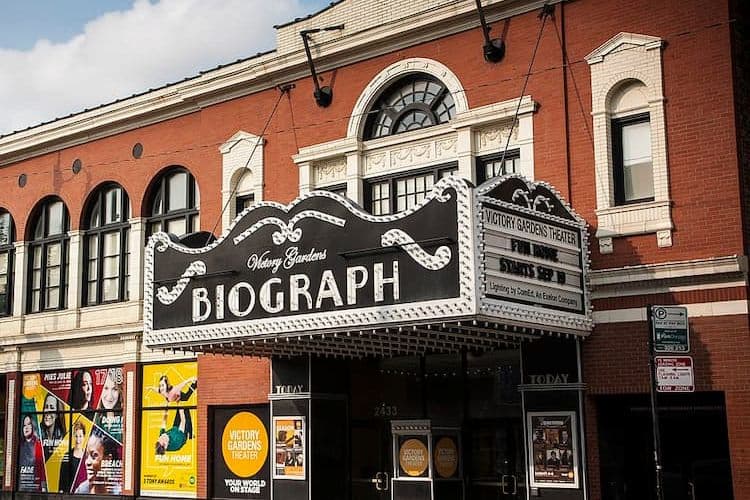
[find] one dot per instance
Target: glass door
(496, 461)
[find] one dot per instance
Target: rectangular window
(6, 268)
(399, 193)
(242, 202)
(339, 189)
(495, 165)
(631, 156)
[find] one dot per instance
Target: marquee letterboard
(534, 249)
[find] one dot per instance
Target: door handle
(509, 484)
(380, 481)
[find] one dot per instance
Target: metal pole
(654, 408)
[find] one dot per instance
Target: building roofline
(309, 16)
(256, 73)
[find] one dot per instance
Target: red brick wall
(226, 380)
(701, 140)
(616, 362)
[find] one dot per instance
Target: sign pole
(654, 409)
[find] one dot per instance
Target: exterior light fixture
(323, 95)
(494, 49)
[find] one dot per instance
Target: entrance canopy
(466, 268)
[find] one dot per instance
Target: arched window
(6, 262)
(106, 246)
(48, 257)
(631, 144)
(414, 102)
(173, 203)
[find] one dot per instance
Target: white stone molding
(137, 243)
(395, 71)
(242, 172)
(626, 60)
(75, 266)
(695, 310)
(472, 133)
(20, 265)
(330, 171)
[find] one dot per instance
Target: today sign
(670, 329)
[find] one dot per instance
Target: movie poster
(553, 449)
(169, 421)
(70, 432)
(241, 449)
(289, 447)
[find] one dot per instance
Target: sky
(61, 56)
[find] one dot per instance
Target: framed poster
(241, 452)
(553, 449)
(289, 446)
(169, 422)
(70, 432)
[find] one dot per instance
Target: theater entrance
(437, 427)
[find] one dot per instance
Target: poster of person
(71, 432)
(553, 449)
(289, 447)
(169, 447)
(241, 438)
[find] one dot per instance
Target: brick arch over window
(172, 202)
(106, 247)
(48, 259)
(397, 71)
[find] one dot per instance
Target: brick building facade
(666, 221)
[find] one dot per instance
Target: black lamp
(323, 95)
(494, 49)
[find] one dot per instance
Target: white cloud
(121, 53)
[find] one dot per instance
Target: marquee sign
(318, 264)
(509, 252)
(535, 254)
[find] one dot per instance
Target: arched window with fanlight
(173, 203)
(48, 256)
(414, 102)
(6, 262)
(106, 246)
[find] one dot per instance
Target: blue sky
(24, 22)
(61, 56)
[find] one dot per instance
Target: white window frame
(624, 58)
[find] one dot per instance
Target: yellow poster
(170, 384)
(169, 446)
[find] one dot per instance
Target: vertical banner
(169, 420)
(289, 447)
(70, 435)
(241, 449)
(553, 449)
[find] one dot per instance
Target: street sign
(670, 325)
(674, 374)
